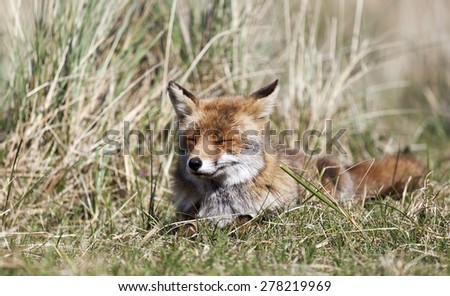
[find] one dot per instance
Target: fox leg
(187, 216)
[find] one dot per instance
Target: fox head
(221, 138)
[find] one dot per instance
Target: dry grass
(71, 71)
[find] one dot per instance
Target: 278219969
(295, 286)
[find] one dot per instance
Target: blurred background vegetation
(71, 70)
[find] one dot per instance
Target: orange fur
(386, 176)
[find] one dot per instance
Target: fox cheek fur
(223, 171)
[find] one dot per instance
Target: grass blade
(320, 195)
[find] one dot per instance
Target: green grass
(411, 239)
(71, 71)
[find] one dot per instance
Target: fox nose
(195, 163)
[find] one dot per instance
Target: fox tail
(390, 175)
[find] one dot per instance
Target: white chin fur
(239, 173)
(247, 168)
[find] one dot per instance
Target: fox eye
(223, 141)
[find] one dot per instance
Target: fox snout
(202, 167)
(195, 163)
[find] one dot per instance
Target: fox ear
(182, 100)
(265, 99)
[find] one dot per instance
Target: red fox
(223, 171)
